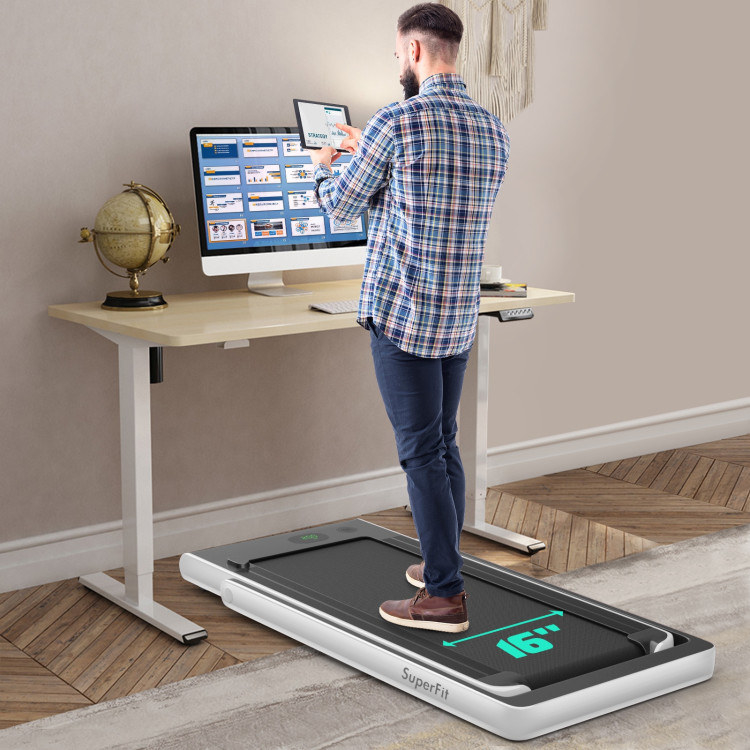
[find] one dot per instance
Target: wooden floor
(610, 510)
(63, 647)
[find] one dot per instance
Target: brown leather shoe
(446, 614)
(415, 575)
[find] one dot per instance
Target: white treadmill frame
(475, 701)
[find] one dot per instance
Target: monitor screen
(256, 205)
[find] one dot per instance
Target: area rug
(302, 700)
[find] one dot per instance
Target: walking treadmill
(535, 658)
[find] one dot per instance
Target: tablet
(317, 123)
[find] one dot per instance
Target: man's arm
(348, 196)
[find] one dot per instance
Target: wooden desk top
(215, 317)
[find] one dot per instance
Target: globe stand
(135, 299)
(145, 300)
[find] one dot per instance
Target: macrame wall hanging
(496, 59)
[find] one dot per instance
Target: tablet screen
(317, 123)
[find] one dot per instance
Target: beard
(410, 83)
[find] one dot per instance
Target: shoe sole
(442, 627)
(414, 581)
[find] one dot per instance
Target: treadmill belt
(508, 631)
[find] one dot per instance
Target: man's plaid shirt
(429, 170)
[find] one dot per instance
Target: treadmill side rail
(490, 712)
(653, 640)
(200, 573)
(243, 596)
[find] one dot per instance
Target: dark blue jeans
(421, 398)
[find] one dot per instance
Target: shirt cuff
(322, 172)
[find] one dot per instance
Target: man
(429, 170)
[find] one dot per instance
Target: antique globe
(133, 230)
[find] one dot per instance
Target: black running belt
(352, 578)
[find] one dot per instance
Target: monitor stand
(271, 284)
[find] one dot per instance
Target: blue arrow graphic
(505, 627)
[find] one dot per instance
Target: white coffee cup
(491, 275)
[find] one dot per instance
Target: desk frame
(473, 411)
(136, 595)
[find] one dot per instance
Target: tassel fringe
(496, 59)
(497, 39)
(539, 15)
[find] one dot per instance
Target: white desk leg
(137, 595)
(473, 445)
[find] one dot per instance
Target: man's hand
(351, 143)
(325, 155)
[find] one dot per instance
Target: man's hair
(436, 21)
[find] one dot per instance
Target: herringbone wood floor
(63, 647)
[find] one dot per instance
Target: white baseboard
(75, 552)
(53, 557)
(574, 450)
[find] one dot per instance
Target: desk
(232, 316)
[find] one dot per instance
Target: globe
(133, 230)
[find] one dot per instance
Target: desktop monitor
(257, 211)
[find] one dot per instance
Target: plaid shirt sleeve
(348, 197)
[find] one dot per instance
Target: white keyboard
(338, 307)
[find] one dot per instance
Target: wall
(628, 185)
(625, 186)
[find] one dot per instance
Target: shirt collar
(442, 81)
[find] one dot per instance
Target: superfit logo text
(429, 687)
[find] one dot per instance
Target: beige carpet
(302, 700)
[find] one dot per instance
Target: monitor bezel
(270, 257)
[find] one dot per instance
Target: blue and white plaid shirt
(429, 170)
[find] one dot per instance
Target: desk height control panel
(519, 313)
